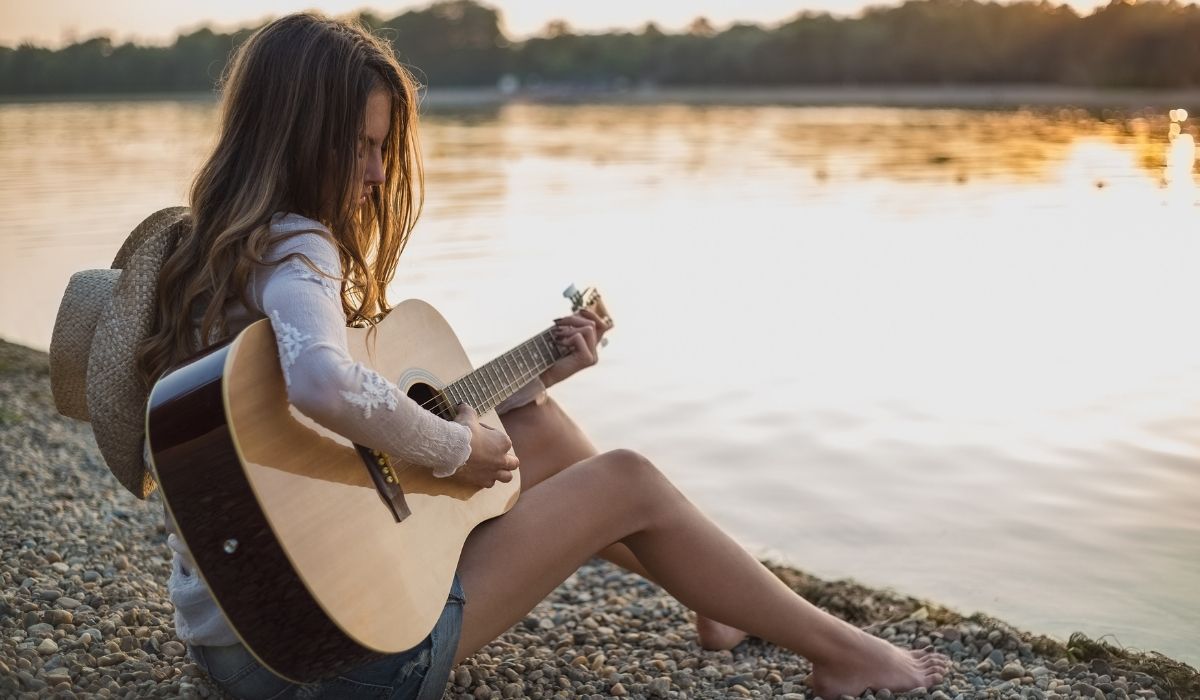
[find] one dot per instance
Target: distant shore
(84, 610)
(917, 96)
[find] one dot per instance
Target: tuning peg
(571, 292)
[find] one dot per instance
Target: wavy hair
(292, 117)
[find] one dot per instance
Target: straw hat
(103, 317)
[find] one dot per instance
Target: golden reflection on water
(934, 346)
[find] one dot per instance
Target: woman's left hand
(580, 333)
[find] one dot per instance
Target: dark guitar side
(193, 453)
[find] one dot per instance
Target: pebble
(84, 613)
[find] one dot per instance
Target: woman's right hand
(489, 461)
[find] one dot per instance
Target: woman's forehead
(379, 115)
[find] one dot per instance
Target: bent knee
(631, 466)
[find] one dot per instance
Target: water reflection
(936, 346)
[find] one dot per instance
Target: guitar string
(439, 398)
(522, 380)
(528, 375)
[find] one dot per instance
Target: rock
(172, 649)
(67, 603)
(112, 659)
(1011, 671)
(659, 687)
(59, 617)
(618, 690)
(47, 647)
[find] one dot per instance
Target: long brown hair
(293, 111)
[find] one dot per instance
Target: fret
(527, 357)
(534, 356)
(497, 383)
(532, 366)
(480, 381)
(506, 374)
(476, 390)
(489, 374)
(515, 375)
(549, 350)
(481, 394)
(538, 342)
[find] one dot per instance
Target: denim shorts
(417, 674)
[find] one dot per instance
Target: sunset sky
(56, 22)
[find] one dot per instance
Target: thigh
(510, 563)
(546, 441)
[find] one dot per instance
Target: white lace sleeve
(324, 382)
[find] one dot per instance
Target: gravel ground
(84, 609)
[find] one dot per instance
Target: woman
(300, 214)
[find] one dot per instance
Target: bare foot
(877, 664)
(716, 637)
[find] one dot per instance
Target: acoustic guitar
(321, 553)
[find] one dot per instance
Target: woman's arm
(325, 383)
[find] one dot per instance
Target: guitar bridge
(379, 466)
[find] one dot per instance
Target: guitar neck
(499, 379)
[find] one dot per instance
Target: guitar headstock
(588, 299)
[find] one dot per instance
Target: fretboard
(499, 379)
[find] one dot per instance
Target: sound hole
(430, 399)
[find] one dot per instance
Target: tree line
(460, 43)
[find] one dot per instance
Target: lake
(953, 352)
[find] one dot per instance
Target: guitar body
(284, 520)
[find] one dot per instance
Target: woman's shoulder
(289, 222)
(294, 233)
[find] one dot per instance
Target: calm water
(951, 352)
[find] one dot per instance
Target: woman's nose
(374, 173)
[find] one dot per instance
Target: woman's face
(370, 154)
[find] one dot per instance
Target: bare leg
(620, 496)
(548, 441)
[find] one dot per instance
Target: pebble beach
(84, 609)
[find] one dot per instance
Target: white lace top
(327, 385)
